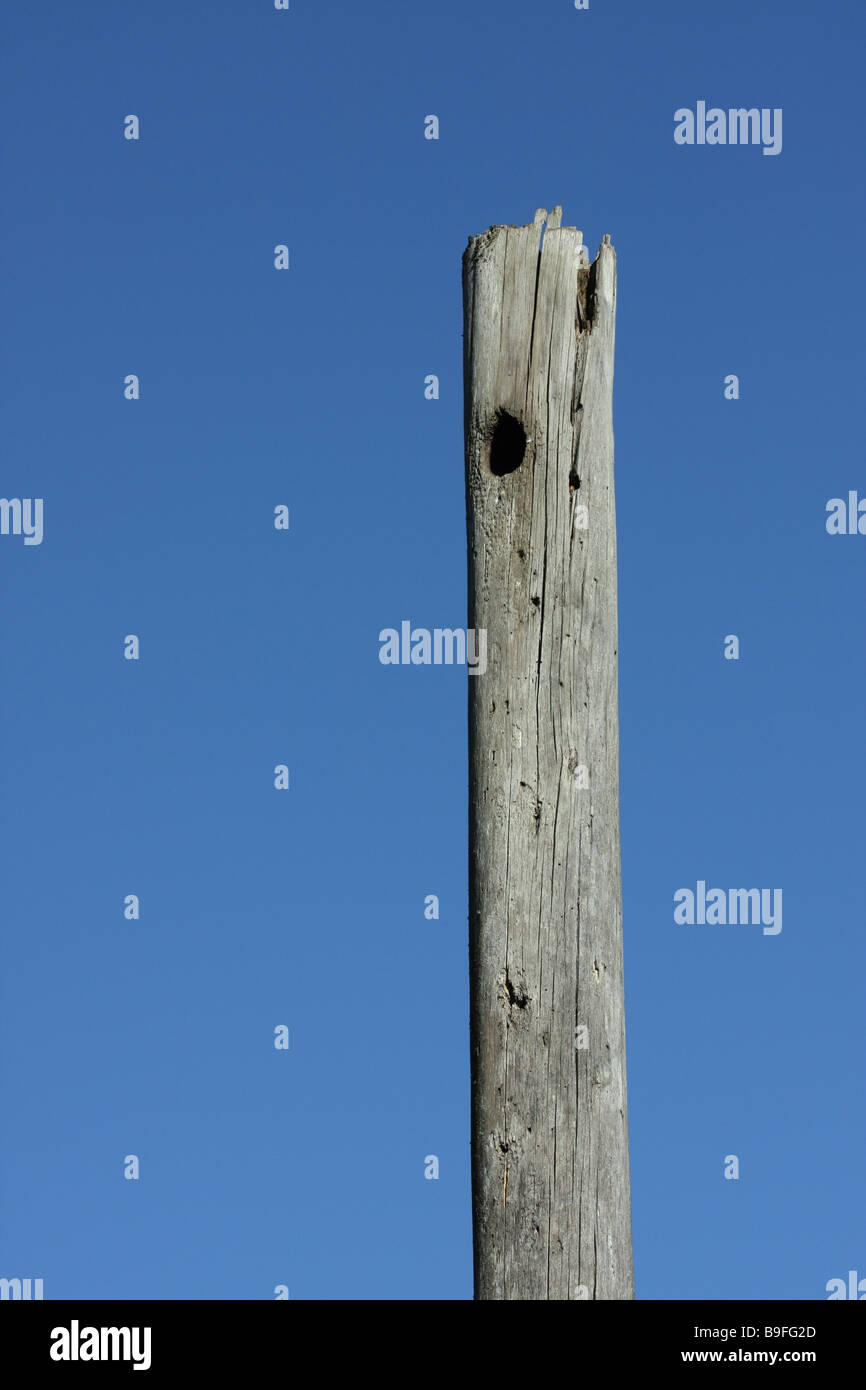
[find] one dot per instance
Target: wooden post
(550, 1174)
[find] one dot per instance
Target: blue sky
(305, 387)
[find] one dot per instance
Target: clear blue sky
(306, 387)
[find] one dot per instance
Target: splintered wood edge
(541, 222)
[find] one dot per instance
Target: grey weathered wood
(551, 1204)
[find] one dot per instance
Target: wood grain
(551, 1206)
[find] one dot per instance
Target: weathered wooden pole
(550, 1172)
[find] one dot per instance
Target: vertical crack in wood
(549, 1121)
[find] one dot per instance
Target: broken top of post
(537, 273)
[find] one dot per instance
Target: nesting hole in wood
(507, 446)
(516, 997)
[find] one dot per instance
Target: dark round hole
(507, 446)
